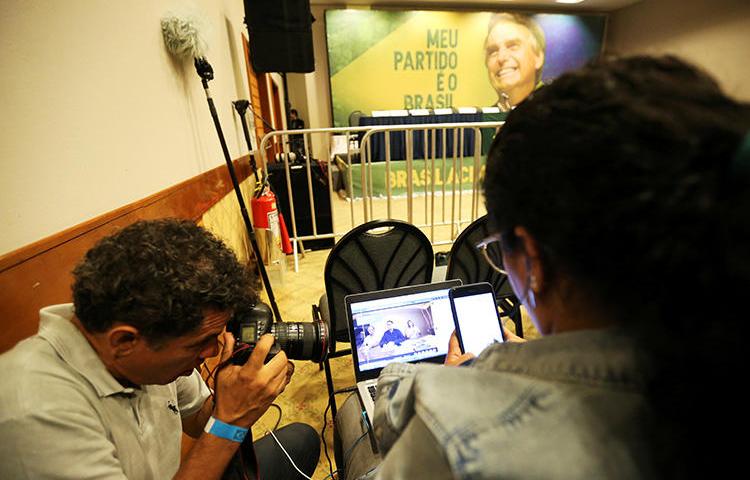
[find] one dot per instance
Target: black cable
(345, 390)
(261, 119)
(356, 442)
(261, 181)
(210, 376)
(323, 436)
(278, 420)
(325, 424)
(242, 105)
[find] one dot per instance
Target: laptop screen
(409, 324)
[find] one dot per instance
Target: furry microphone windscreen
(182, 36)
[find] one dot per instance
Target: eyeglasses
(494, 241)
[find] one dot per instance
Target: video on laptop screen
(406, 328)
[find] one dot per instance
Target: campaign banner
(390, 60)
(447, 176)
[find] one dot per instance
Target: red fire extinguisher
(265, 213)
(266, 216)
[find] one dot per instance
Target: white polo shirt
(63, 415)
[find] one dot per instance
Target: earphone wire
(287, 455)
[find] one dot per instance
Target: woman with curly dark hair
(619, 196)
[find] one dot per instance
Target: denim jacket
(565, 406)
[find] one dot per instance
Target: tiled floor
(305, 398)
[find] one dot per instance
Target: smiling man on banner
(514, 56)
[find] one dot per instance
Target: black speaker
(302, 215)
(280, 33)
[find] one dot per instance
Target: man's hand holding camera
(244, 392)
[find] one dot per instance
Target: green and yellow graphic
(384, 60)
(448, 176)
(394, 60)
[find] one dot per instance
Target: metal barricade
(443, 150)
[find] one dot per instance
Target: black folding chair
(465, 262)
(377, 255)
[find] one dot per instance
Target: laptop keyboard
(373, 391)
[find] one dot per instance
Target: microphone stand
(241, 106)
(207, 73)
(244, 105)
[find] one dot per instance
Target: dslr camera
(299, 340)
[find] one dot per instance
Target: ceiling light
(569, 1)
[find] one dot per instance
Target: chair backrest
(466, 263)
(374, 256)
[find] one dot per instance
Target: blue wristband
(225, 430)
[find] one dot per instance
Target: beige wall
(97, 114)
(712, 33)
(310, 93)
(298, 95)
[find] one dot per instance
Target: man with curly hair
(109, 383)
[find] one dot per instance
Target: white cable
(287, 455)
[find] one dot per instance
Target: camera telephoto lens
(302, 340)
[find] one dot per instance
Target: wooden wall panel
(252, 81)
(260, 98)
(40, 274)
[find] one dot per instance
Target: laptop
(407, 324)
